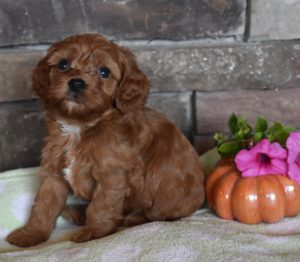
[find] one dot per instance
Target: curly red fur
(127, 161)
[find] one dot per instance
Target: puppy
(125, 160)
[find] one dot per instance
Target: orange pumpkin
(251, 200)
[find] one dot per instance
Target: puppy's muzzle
(76, 85)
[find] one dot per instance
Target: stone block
(182, 68)
(15, 74)
(213, 109)
(46, 21)
(176, 107)
(275, 19)
(203, 143)
(229, 67)
(21, 128)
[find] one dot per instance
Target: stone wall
(205, 58)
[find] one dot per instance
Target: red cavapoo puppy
(128, 162)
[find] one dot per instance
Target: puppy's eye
(104, 72)
(63, 65)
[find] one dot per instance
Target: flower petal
(293, 140)
(262, 147)
(292, 154)
(269, 169)
(265, 170)
(250, 163)
(279, 166)
(245, 159)
(293, 145)
(294, 172)
(277, 151)
(251, 172)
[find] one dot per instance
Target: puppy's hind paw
(24, 237)
(75, 215)
(83, 235)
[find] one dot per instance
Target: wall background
(205, 58)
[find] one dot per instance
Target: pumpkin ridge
(245, 206)
(292, 195)
(222, 200)
(286, 204)
(271, 198)
(211, 180)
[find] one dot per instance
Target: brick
(214, 108)
(46, 21)
(203, 143)
(21, 128)
(176, 107)
(15, 76)
(230, 67)
(275, 19)
(182, 68)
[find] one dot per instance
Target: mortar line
(247, 20)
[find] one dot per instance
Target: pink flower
(293, 160)
(262, 159)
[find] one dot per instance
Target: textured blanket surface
(200, 237)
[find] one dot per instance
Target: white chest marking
(68, 172)
(69, 129)
(73, 135)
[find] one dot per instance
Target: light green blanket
(200, 237)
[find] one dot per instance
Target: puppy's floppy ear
(40, 75)
(134, 85)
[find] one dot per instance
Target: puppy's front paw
(83, 235)
(24, 237)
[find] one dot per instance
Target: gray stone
(176, 107)
(43, 21)
(275, 19)
(183, 68)
(203, 143)
(21, 128)
(229, 67)
(213, 109)
(15, 74)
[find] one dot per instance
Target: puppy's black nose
(76, 85)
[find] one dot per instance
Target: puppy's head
(83, 76)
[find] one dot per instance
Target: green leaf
(276, 127)
(281, 137)
(271, 137)
(233, 123)
(279, 133)
(244, 132)
(220, 138)
(258, 136)
(289, 129)
(261, 124)
(229, 148)
(244, 129)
